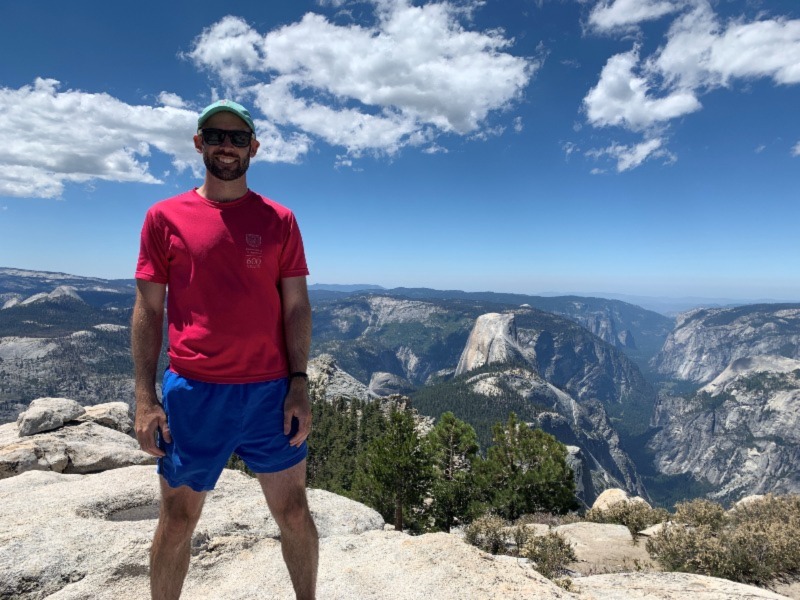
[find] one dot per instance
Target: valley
(635, 395)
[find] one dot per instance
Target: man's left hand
(297, 405)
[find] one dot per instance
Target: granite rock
(46, 414)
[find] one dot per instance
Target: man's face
(226, 161)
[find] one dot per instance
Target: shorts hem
(287, 464)
(176, 483)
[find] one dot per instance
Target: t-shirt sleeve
(152, 264)
(293, 256)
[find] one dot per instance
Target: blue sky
(647, 147)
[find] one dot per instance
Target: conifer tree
(395, 471)
(454, 446)
(526, 471)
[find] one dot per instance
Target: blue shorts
(211, 421)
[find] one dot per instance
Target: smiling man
(239, 324)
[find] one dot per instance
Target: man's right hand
(150, 418)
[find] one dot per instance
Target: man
(239, 323)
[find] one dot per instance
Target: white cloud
(796, 149)
(416, 73)
(700, 54)
(630, 157)
(624, 98)
(173, 100)
(761, 49)
(72, 136)
(609, 15)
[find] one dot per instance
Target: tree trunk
(398, 515)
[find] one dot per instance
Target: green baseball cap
(228, 106)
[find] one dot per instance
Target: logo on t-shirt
(253, 250)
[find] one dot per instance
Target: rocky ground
(85, 535)
(71, 537)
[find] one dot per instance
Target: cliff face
(741, 432)
(705, 341)
(561, 352)
(493, 340)
(570, 372)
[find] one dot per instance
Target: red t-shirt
(223, 263)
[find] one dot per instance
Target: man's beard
(226, 172)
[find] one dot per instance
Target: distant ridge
(338, 287)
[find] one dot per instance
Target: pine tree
(454, 446)
(395, 471)
(526, 471)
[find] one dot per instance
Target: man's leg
(285, 492)
(171, 549)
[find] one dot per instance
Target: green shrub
(550, 554)
(636, 516)
(757, 543)
(701, 512)
(487, 533)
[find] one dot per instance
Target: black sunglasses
(214, 137)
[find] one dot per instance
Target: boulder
(80, 448)
(748, 500)
(614, 496)
(603, 548)
(115, 415)
(46, 414)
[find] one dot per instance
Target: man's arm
(297, 330)
(146, 331)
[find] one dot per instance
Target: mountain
(17, 285)
(481, 365)
(337, 287)
(740, 433)
(574, 376)
(640, 332)
(62, 335)
(572, 365)
(705, 341)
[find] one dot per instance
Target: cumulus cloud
(624, 98)
(796, 149)
(623, 14)
(173, 100)
(700, 53)
(75, 136)
(416, 73)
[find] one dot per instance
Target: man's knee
(177, 523)
(180, 511)
(293, 512)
